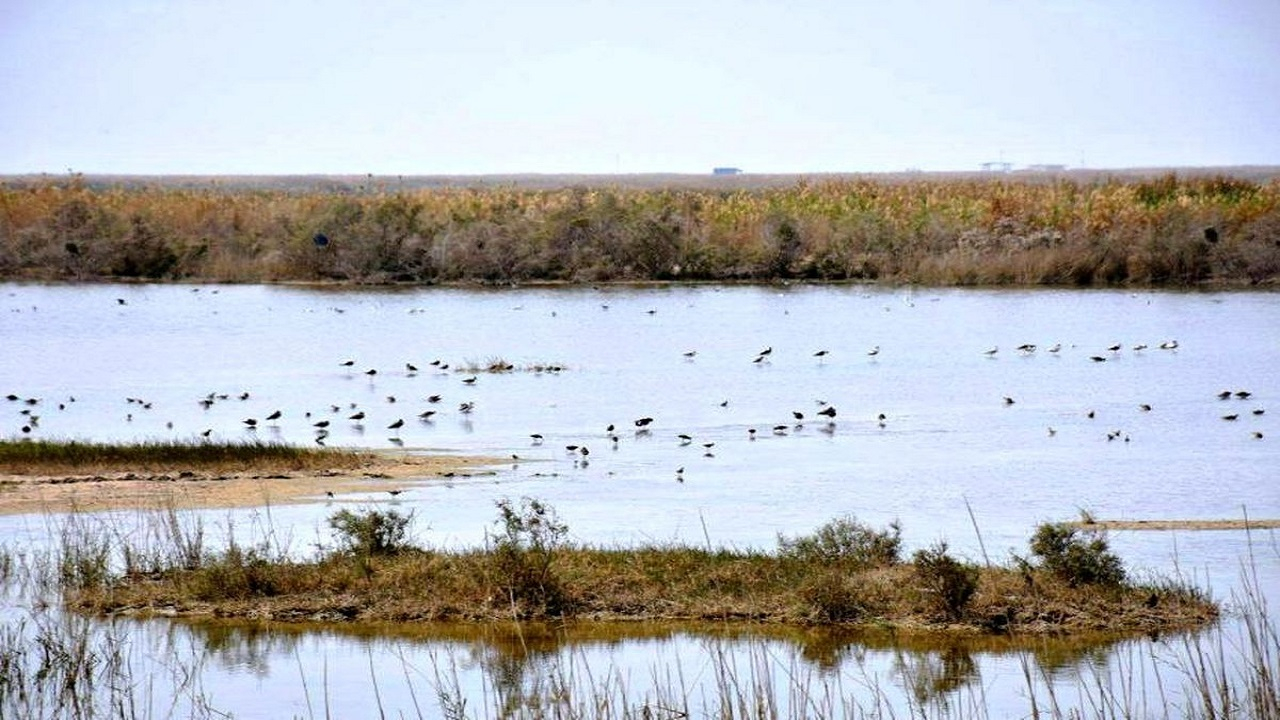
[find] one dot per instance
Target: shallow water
(949, 441)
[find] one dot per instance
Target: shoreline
(206, 489)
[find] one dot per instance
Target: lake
(971, 424)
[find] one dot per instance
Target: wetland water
(948, 437)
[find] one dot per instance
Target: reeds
(1176, 230)
(31, 457)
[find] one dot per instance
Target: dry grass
(1074, 229)
(51, 457)
(644, 584)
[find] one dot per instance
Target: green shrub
(524, 550)
(1078, 557)
(371, 532)
(948, 583)
(845, 540)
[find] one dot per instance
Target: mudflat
(1232, 524)
(203, 488)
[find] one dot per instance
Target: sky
(597, 86)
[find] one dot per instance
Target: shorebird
(275, 415)
(357, 416)
(1097, 358)
(821, 354)
(466, 407)
(874, 351)
(1224, 394)
(1232, 416)
(410, 368)
(394, 493)
(1008, 400)
(644, 422)
(797, 415)
(537, 438)
(1027, 347)
(829, 411)
(992, 351)
(1243, 394)
(691, 354)
(251, 422)
(766, 351)
(469, 380)
(399, 423)
(1144, 407)
(347, 363)
(684, 439)
(1115, 348)
(322, 424)
(426, 415)
(1169, 345)
(1055, 347)
(433, 399)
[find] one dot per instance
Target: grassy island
(844, 573)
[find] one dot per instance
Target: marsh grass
(1027, 230)
(51, 457)
(528, 572)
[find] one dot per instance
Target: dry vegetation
(1078, 230)
(844, 574)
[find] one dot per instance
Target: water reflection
(512, 669)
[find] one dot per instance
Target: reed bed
(52, 457)
(1174, 230)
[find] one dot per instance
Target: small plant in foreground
(371, 532)
(525, 547)
(845, 540)
(949, 583)
(1078, 557)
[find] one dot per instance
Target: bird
(410, 367)
(328, 493)
(1027, 347)
(275, 415)
(371, 372)
(1169, 345)
(347, 363)
(992, 351)
(829, 411)
(1114, 348)
(1144, 407)
(1257, 434)
(121, 301)
(394, 493)
(1224, 394)
(1243, 394)
(1055, 347)
(426, 414)
(251, 422)
(874, 351)
(1008, 400)
(322, 424)
(644, 422)
(821, 354)
(1259, 411)
(399, 423)
(433, 398)
(466, 407)
(357, 416)
(797, 415)
(766, 351)
(469, 380)
(1052, 432)
(1097, 358)
(684, 439)
(536, 437)
(1230, 417)
(691, 354)
(1140, 346)
(1089, 414)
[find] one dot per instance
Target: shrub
(1077, 557)
(524, 550)
(948, 583)
(831, 598)
(845, 540)
(371, 532)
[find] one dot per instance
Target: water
(949, 441)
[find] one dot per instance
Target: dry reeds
(51, 457)
(1104, 230)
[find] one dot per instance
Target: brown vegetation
(1170, 229)
(845, 574)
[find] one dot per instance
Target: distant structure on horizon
(726, 171)
(1001, 166)
(1046, 168)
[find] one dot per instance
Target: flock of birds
(322, 422)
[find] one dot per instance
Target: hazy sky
(592, 86)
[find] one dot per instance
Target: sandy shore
(202, 489)
(1237, 524)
